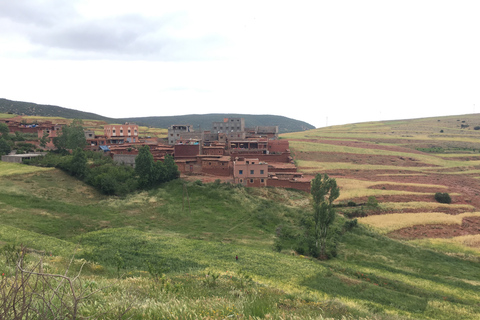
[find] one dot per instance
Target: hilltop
(199, 121)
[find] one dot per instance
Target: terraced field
(403, 164)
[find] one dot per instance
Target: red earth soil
(463, 188)
(469, 226)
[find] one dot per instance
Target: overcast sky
(323, 62)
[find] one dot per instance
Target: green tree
(72, 136)
(324, 191)
(78, 164)
(171, 168)
(4, 147)
(144, 167)
(4, 130)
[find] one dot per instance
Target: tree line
(100, 171)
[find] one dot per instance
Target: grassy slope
(195, 230)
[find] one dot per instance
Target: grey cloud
(60, 32)
(39, 13)
(114, 34)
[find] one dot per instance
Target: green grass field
(193, 241)
(169, 253)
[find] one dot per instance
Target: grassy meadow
(169, 253)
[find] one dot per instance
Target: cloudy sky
(323, 62)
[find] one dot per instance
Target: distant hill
(199, 121)
(204, 121)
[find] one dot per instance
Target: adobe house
(187, 149)
(214, 150)
(118, 134)
(218, 166)
(250, 172)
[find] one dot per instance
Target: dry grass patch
(426, 206)
(315, 167)
(391, 222)
(9, 168)
(351, 188)
(470, 241)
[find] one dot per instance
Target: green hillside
(169, 253)
(203, 122)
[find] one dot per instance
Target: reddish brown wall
(278, 145)
(218, 168)
(213, 151)
(284, 157)
(303, 186)
(187, 150)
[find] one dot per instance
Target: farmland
(402, 164)
(169, 253)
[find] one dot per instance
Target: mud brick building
(118, 134)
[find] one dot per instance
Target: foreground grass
(169, 255)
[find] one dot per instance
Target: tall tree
(144, 167)
(72, 136)
(78, 164)
(171, 168)
(324, 191)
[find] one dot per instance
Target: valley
(169, 252)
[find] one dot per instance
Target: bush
(443, 197)
(476, 128)
(372, 202)
(350, 224)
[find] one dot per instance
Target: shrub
(443, 197)
(351, 204)
(372, 202)
(476, 128)
(349, 225)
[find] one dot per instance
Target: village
(229, 151)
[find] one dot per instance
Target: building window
(252, 171)
(261, 171)
(263, 180)
(240, 171)
(251, 180)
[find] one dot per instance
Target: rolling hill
(203, 121)
(170, 252)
